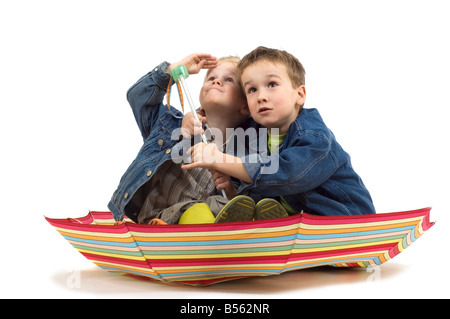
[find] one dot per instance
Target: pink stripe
(119, 248)
(344, 239)
(216, 227)
(331, 220)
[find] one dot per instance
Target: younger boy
(154, 188)
(314, 173)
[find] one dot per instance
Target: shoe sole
(239, 209)
(268, 208)
(156, 221)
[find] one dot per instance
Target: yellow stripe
(248, 206)
(229, 255)
(111, 255)
(332, 260)
(332, 230)
(215, 267)
(95, 232)
(327, 248)
(361, 264)
(124, 267)
(128, 239)
(386, 224)
(212, 236)
(269, 207)
(224, 269)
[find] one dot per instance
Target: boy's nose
(216, 81)
(262, 96)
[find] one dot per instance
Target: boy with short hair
(314, 173)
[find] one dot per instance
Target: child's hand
(223, 181)
(195, 62)
(204, 155)
(190, 126)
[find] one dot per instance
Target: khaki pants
(172, 214)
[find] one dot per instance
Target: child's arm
(305, 164)
(146, 95)
(299, 168)
(209, 156)
(195, 62)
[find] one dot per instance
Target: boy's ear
(301, 95)
(245, 110)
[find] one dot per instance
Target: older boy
(314, 173)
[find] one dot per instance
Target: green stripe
(109, 251)
(350, 242)
(216, 251)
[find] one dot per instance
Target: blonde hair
(294, 68)
(230, 58)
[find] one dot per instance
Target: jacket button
(149, 173)
(125, 196)
(160, 142)
(168, 151)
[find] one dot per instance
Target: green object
(180, 71)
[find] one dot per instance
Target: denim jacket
(159, 127)
(156, 124)
(312, 172)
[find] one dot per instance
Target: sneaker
(240, 208)
(269, 208)
(157, 221)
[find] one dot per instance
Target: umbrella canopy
(204, 254)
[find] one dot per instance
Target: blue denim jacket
(156, 124)
(159, 127)
(313, 174)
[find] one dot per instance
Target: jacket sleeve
(146, 96)
(302, 166)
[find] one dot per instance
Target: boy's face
(271, 97)
(221, 91)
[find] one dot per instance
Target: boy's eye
(272, 84)
(251, 90)
(229, 80)
(211, 78)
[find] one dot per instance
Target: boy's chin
(213, 106)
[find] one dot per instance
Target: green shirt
(274, 142)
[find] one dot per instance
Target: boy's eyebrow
(228, 73)
(270, 75)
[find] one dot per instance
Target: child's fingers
(221, 183)
(209, 64)
(191, 165)
(210, 61)
(197, 127)
(201, 112)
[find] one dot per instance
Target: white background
(378, 71)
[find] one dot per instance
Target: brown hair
(294, 68)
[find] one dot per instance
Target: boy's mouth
(264, 110)
(215, 88)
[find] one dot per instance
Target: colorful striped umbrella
(205, 254)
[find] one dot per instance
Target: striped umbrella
(205, 254)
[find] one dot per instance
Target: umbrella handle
(180, 74)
